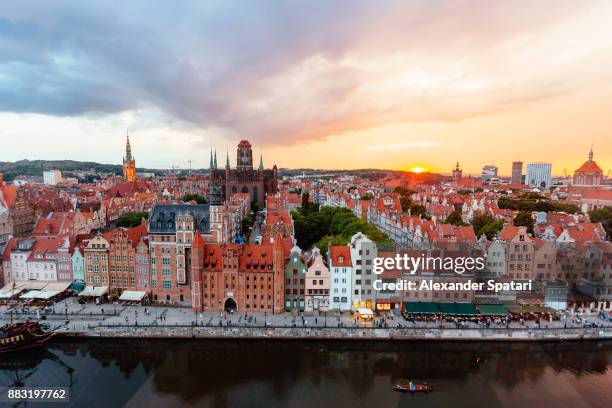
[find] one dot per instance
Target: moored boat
(21, 336)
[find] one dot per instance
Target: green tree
(405, 202)
(603, 215)
(492, 229)
(418, 209)
(404, 192)
(254, 207)
(567, 208)
(524, 219)
(194, 197)
(454, 218)
(487, 225)
(131, 219)
(367, 196)
(330, 224)
(505, 203)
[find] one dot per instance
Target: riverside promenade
(69, 318)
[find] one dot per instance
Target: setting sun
(416, 170)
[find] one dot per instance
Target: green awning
(412, 307)
(466, 309)
(421, 307)
(77, 287)
(448, 308)
(429, 308)
(493, 310)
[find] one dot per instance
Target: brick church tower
(129, 163)
(244, 160)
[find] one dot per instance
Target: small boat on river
(412, 387)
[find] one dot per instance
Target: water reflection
(256, 373)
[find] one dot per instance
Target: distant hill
(36, 167)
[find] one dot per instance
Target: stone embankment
(346, 333)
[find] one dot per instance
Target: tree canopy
(131, 219)
(330, 224)
(603, 215)
(454, 218)
(195, 197)
(524, 219)
(535, 202)
(486, 224)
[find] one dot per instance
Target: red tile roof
(589, 166)
(340, 255)
(9, 192)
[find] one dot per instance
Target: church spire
(261, 166)
(215, 162)
(227, 163)
(128, 148)
(210, 167)
(591, 154)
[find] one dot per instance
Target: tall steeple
(261, 166)
(128, 148)
(457, 173)
(591, 154)
(129, 162)
(210, 167)
(227, 163)
(215, 162)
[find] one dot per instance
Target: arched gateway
(230, 305)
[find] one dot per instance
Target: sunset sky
(325, 84)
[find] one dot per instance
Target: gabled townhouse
(363, 253)
(520, 251)
(295, 281)
(317, 284)
(496, 258)
(341, 277)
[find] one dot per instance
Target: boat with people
(412, 387)
(20, 336)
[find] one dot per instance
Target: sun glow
(416, 169)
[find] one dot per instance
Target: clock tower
(129, 163)
(245, 156)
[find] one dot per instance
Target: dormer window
(341, 259)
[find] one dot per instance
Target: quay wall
(320, 333)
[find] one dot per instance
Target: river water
(255, 373)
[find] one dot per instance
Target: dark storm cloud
(237, 65)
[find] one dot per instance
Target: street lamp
(266, 319)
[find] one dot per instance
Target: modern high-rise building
(517, 173)
(489, 171)
(52, 177)
(539, 175)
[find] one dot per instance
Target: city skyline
(392, 87)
